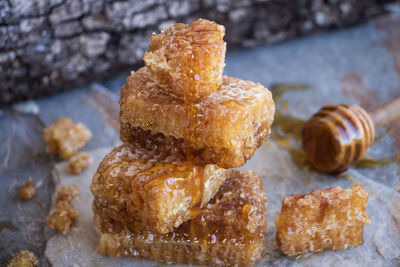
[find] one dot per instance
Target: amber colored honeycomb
(228, 231)
(188, 60)
(65, 138)
(225, 128)
(24, 258)
(331, 218)
(147, 190)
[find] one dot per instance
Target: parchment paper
(280, 178)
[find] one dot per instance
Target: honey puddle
(285, 127)
(8, 225)
(351, 178)
(373, 163)
(279, 89)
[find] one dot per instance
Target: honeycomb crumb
(188, 60)
(67, 193)
(65, 213)
(60, 221)
(78, 162)
(24, 258)
(65, 138)
(330, 218)
(67, 207)
(28, 190)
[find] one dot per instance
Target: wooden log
(50, 45)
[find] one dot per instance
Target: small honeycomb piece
(64, 215)
(147, 190)
(28, 190)
(330, 218)
(24, 258)
(188, 60)
(68, 208)
(67, 193)
(65, 138)
(228, 231)
(78, 162)
(225, 128)
(60, 221)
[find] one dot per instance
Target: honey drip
(373, 163)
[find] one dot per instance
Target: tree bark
(50, 45)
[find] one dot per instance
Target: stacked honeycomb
(169, 193)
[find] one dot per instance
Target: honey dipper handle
(386, 113)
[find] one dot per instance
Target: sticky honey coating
(228, 231)
(225, 128)
(331, 218)
(147, 190)
(188, 60)
(65, 138)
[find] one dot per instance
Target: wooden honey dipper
(338, 135)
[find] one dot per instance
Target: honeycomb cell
(147, 190)
(331, 218)
(228, 231)
(188, 60)
(224, 128)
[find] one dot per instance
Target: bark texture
(49, 45)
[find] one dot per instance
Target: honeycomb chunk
(78, 162)
(147, 190)
(65, 138)
(330, 218)
(225, 128)
(24, 258)
(28, 190)
(188, 60)
(228, 231)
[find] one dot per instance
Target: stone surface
(23, 157)
(357, 66)
(344, 67)
(49, 45)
